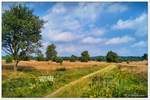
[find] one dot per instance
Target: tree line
(51, 55)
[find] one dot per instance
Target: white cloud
(71, 22)
(91, 40)
(119, 40)
(113, 8)
(63, 37)
(97, 31)
(58, 9)
(140, 44)
(88, 11)
(139, 24)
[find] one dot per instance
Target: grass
(29, 84)
(113, 83)
(119, 81)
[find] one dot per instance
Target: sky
(97, 27)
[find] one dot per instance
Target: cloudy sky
(96, 27)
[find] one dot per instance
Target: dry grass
(48, 65)
(135, 66)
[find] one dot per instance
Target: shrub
(9, 59)
(61, 69)
(73, 58)
(59, 60)
(112, 57)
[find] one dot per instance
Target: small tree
(73, 58)
(111, 57)
(20, 32)
(85, 56)
(51, 53)
(145, 56)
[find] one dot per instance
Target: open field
(75, 79)
(48, 65)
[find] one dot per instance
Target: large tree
(85, 56)
(112, 57)
(51, 53)
(20, 32)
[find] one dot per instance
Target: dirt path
(106, 69)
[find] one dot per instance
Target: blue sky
(96, 27)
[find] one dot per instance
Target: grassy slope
(108, 83)
(26, 84)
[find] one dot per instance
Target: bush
(61, 69)
(112, 57)
(73, 58)
(9, 59)
(59, 60)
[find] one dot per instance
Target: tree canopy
(85, 56)
(51, 53)
(112, 56)
(20, 32)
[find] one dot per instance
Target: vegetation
(59, 60)
(112, 83)
(40, 57)
(51, 53)
(111, 57)
(117, 84)
(85, 56)
(40, 83)
(73, 58)
(145, 56)
(20, 37)
(9, 59)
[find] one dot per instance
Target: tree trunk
(15, 65)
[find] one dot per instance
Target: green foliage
(73, 58)
(100, 58)
(20, 31)
(112, 57)
(8, 59)
(117, 84)
(25, 87)
(29, 84)
(59, 60)
(51, 53)
(145, 56)
(85, 57)
(40, 57)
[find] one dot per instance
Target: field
(75, 79)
